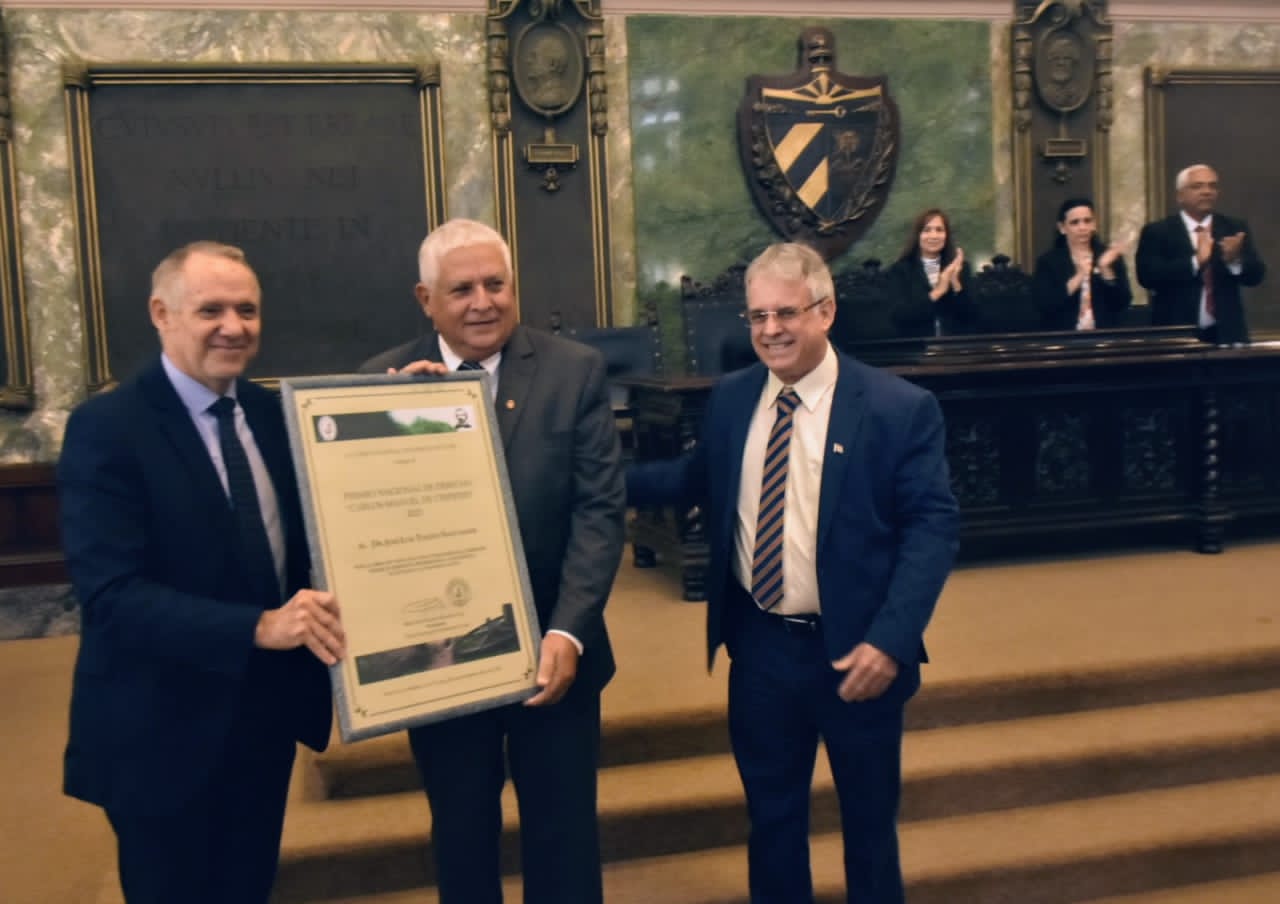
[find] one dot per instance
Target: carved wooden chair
(1001, 291)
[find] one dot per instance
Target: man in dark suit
(194, 676)
(832, 528)
(1194, 262)
(563, 462)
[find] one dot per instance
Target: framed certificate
(411, 524)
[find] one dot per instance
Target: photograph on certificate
(412, 525)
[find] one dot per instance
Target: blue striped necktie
(766, 562)
(254, 545)
(470, 365)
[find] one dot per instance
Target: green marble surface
(1139, 45)
(694, 211)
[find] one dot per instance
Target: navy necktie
(255, 548)
(766, 563)
(470, 365)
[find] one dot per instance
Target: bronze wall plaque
(327, 176)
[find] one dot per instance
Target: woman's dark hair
(912, 248)
(1069, 205)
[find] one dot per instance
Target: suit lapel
(918, 275)
(515, 376)
(740, 409)
(427, 349)
(1178, 230)
(848, 411)
(175, 424)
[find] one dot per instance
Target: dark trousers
(221, 847)
(553, 753)
(782, 699)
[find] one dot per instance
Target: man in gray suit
(563, 461)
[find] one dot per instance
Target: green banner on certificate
(412, 526)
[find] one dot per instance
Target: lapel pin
(511, 404)
(837, 448)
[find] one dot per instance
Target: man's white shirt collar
(813, 385)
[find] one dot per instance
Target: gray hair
(167, 283)
(794, 262)
(451, 236)
(1184, 176)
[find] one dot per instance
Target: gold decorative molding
(16, 390)
(1156, 81)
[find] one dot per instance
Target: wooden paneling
(30, 549)
(1055, 442)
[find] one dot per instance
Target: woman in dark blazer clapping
(1081, 283)
(929, 281)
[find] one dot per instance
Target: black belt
(797, 624)
(807, 623)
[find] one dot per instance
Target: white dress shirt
(490, 364)
(804, 485)
(1204, 318)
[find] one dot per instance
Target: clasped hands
(1232, 247)
(1105, 263)
(949, 278)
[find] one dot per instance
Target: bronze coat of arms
(819, 147)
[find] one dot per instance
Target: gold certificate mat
(411, 524)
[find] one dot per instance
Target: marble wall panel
(41, 42)
(694, 213)
(1142, 44)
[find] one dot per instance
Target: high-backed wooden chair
(1002, 293)
(716, 336)
(863, 305)
(628, 351)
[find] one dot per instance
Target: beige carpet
(996, 623)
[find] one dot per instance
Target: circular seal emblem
(327, 427)
(458, 592)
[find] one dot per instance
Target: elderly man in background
(1194, 262)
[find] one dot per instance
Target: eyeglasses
(784, 315)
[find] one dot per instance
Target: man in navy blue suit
(832, 528)
(202, 658)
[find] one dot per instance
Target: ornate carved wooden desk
(1054, 441)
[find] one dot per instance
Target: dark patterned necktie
(254, 545)
(1206, 275)
(766, 562)
(470, 365)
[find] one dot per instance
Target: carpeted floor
(996, 623)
